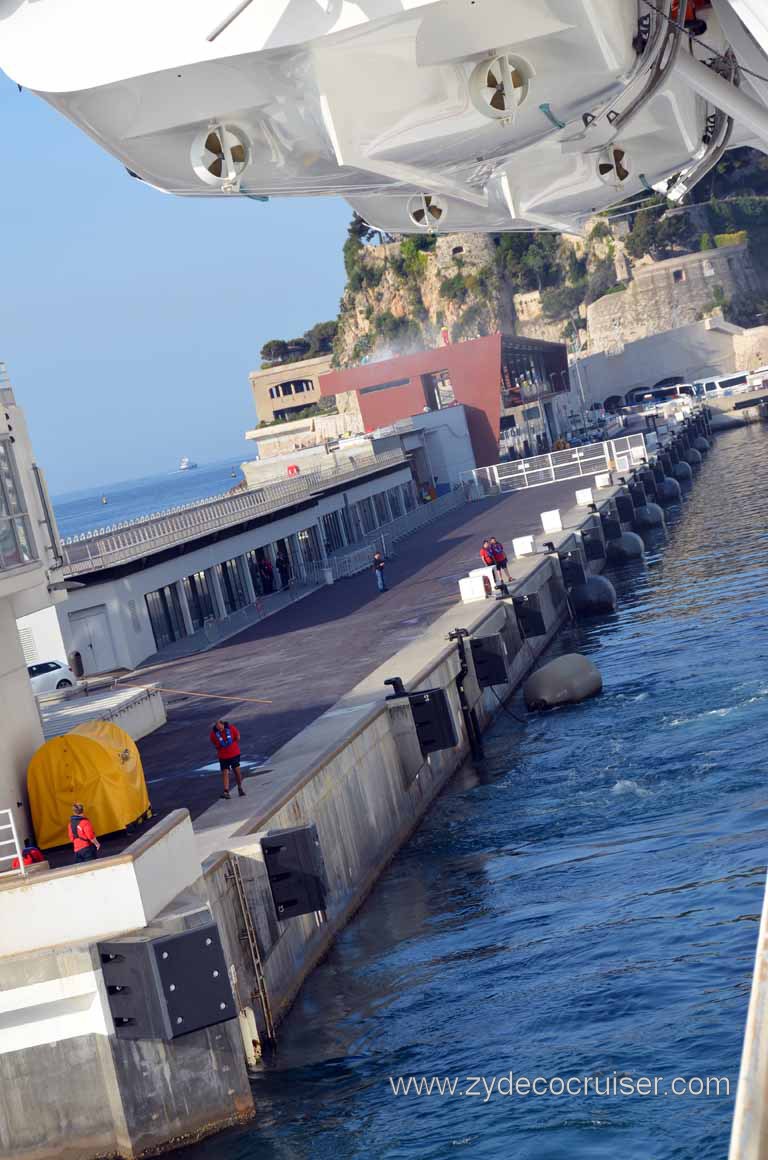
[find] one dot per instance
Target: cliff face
(399, 297)
(402, 295)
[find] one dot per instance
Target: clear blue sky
(130, 319)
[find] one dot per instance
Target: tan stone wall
(751, 348)
(668, 294)
(262, 381)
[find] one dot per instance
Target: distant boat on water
(186, 464)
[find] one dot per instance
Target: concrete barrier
(87, 1093)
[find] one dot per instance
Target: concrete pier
(354, 770)
(286, 659)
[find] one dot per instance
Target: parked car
(47, 676)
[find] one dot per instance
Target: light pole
(575, 352)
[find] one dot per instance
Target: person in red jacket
(225, 739)
(85, 843)
(30, 854)
(486, 555)
(499, 559)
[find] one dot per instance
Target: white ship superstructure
(449, 115)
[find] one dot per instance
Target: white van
(722, 385)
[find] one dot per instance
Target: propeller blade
(518, 80)
(237, 153)
(216, 167)
(213, 143)
(604, 168)
(498, 101)
(494, 78)
(436, 212)
(618, 156)
(418, 216)
(622, 173)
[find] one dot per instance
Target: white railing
(135, 538)
(612, 455)
(358, 558)
(9, 838)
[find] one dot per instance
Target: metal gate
(573, 463)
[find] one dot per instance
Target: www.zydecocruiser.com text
(613, 1084)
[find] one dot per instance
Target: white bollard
(551, 522)
(584, 497)
(603, 480)
(473, 588)
(522, 546)
(489, 572)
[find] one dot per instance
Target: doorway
(92, 638)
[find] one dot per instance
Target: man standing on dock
(499, 559)
(225, 738)
(378, 567)
(84, 841)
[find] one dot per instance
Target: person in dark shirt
(267, 576)
(499, 559)
(378, 568)
(283, 567)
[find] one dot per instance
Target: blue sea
(583, 903)
(84, 511)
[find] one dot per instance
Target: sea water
(84, 511)
(583, 904)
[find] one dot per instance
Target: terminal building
(282, 392)
(187, 578)
(515, 391)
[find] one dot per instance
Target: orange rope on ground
(208, 696)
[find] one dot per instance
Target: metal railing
(357, 557)
(574, 462)
(135, 538)
(9, 837)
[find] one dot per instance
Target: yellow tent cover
(96, 763)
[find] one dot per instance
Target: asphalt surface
(305, 657)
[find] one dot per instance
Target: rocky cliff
(402, 293)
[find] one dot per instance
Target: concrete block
(603, 480)
(473, 588)
(522, 546)
(584, 497)
(551, 521)
(489, 572)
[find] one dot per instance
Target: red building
(501, 381)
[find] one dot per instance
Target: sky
(130, 319)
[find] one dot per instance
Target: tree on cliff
(314, 342)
